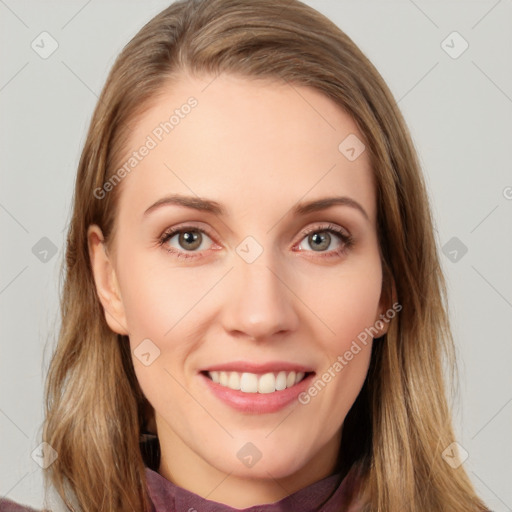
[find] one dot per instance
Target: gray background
(459, 111)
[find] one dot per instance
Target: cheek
(347, 303)
(354, 310)
(160, 305)
(157, 297)
(350, 309)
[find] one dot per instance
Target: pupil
(190, 238)
(320, 241)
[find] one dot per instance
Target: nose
(259, 304)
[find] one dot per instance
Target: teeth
(281, 381)
(249, 383)
(267, 383)
(234, 380)
(256, 383)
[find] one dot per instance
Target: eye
(185, 239)
(320, 238)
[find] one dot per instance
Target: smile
(256, 383)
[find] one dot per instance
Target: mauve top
(330, 494)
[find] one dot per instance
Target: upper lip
(252, 367)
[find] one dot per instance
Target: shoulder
(10, 506)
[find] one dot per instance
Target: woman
(253, 314)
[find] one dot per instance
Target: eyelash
(346, 239)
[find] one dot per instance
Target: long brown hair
(401, 421)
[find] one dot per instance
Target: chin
(264, 462)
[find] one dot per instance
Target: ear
(105, 279)
(388, 306)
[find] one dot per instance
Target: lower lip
(257, 403)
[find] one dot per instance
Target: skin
(257, 148)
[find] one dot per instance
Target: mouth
(259, 391)
(257, 388)
(264, 383)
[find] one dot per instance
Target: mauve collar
(330, 494)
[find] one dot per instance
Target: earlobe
(382, 324)
(105, 280)
(386, 308)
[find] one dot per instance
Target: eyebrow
(215, 208)
(196, 203)
(327, 202)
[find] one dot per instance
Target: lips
(258, 368)
(245, 384)
(254, 401)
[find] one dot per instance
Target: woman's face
(264, 275)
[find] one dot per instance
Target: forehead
(247, 144)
